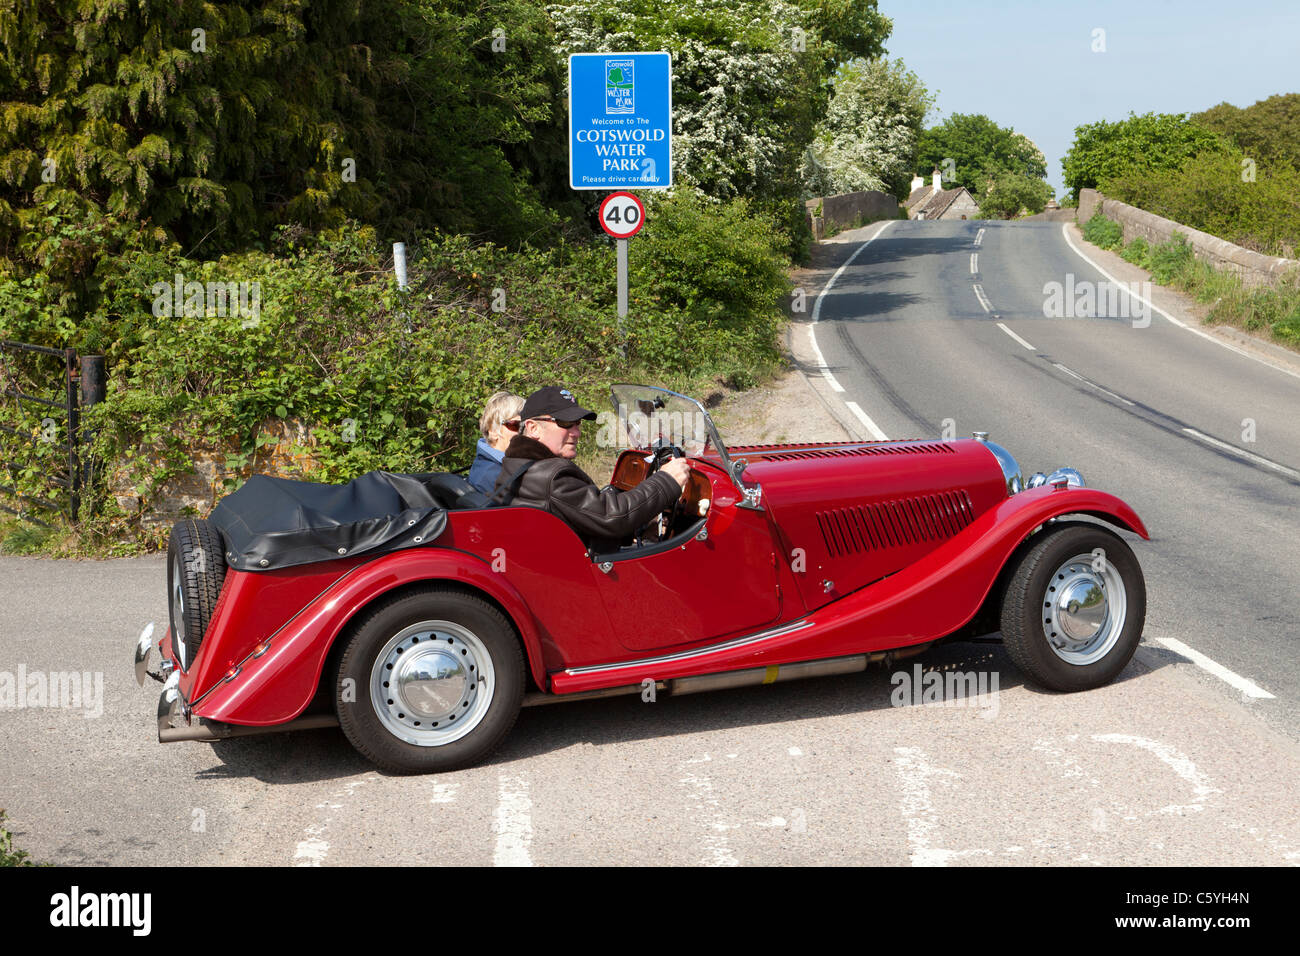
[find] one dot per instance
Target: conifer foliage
(209, 123)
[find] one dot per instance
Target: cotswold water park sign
(620, 121)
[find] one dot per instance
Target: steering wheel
(663, 452)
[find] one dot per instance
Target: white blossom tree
(869, 137)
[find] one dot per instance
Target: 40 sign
(622, 215)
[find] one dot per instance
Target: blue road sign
(620, 121)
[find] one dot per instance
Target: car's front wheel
(1074, 607)
(429, 681)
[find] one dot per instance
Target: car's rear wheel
(196, 571)
(429, 681)
(1074, 607)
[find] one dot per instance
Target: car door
(697, 587)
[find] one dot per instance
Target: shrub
(1170, 259)
(383, 378)
(1102, 232)
(1226, 195)
(1138, 252)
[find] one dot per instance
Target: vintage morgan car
(419, 619)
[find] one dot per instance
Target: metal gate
(25, 369)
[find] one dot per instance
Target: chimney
(917, 183)
(937, 178)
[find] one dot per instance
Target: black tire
(1074, 607)
(452, 656)
(196, 570)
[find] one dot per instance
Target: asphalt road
(1168, 766)
(1201, 439)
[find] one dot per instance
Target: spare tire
(196, 570)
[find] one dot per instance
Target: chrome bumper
(172, 710)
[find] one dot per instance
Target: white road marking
(1177, 761)
(796, 752)
(1016, 337)
(979, 294)
(1245, 685)
(718, 850)
(1241, 453)
(1107, 391)
(1065, 231)
(817, 308)
(974, 262)
(872, 428)
(444, 793)
(513, 824)
(821, 363)
(313, 850)
(979, 237)
(915, 773)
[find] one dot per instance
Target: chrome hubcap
(178, 615)
(1083, 609)
(432, 683)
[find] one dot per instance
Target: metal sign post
(622, 279)
(622, 216)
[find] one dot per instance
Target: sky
(1031, 65)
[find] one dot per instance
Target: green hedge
(392, 379)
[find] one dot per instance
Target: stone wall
(845, 209)
(1253, 268)
(287, 454)
(1051, 215)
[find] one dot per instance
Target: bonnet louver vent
(896, 523)
(927, 448)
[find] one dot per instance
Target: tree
(968, 147)
(751, 81)
(1151, 141)
(1005, 195)
(1267, 132)
(210, 123)
(869, 137)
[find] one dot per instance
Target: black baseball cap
(556, 402)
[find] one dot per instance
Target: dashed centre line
(1074, 374)
(1243, 454)
(974, 263)
(984, 300)
(1003, 327)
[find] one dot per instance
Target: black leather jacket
(601, 518)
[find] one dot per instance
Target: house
(935, 202)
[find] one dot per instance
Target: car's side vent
(896, 523)
(881, 448)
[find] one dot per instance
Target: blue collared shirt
(487, 465)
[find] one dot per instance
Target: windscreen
(648, 416)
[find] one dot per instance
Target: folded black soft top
(274, 523)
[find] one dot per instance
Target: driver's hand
(679, 468)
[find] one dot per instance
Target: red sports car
(408, 612)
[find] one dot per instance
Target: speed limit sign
(622, 215)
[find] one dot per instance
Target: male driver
(550, 423)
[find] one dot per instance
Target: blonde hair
(500, 408)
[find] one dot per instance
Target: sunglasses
(556, 421)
